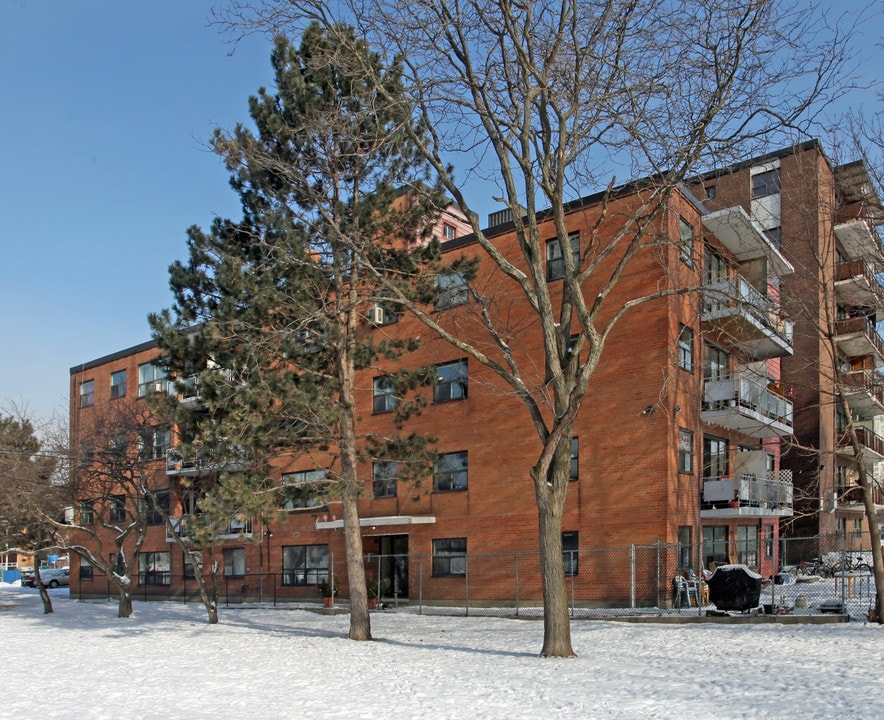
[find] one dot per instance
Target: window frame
(455, 387)
(685, 451)
(383, 483)
(117, 509)
(304, 479)
(234, 560)
(155, 567)
(312, 571)
(156, 504)
(157, 376)
(686, 348)
(574, 467)
(716, 457)
(555, 259)
(451, 290)
(448, 479)
(685, 242)
(117, 387)
(383, 399)
(87, 393)
(571, 555)
(449, 558)
(765, 183)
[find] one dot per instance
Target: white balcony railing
(745, 404)
(749, 494)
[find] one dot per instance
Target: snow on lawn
(266, 663)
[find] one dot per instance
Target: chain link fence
(802, 576)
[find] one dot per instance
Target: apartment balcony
(851, 499)
(857, 337)
(864, 394)
(201, 463)
(748, 495)
(745, 405)
(859, 239)
(856, 284)
(190, 395)
(745, 238)
(234, 529)
(871, 444)
(747, 318)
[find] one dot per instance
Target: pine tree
(270, 311)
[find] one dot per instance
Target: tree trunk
(360, 619)
(556, 620)
(124, 608)
(44, 596)
(875, 540)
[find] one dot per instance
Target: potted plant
(327, 591)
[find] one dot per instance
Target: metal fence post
(420, 601)
(517, 584)
(658, 573)
(466, 562)
(632, 577)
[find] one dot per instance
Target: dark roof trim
(119, 355)
(760, 160)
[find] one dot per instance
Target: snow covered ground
(264, 663)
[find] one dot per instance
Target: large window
(151, 379)
(449, 557)
(234, 562)
(684, 547)
(555, 261)
(157, 507)
(87, 512)
(384, 476)
(86, 569)
(155, 568)
(747, 545)
(716, 268)
(154, 442)
(305, 489)
(451, 472)
(715, 545)
(685, 451)
(715, 452)
(686, 348)
(570, 545)
(766, 183)
(451, 288)
(452, 384)
(117, 511)
(118, 384)
(686, 242)
(87, 393)
(304, 564)
(384, 400)
(715, 363)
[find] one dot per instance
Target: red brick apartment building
(678, 441)
(823, 218)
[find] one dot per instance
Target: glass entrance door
(394, 566)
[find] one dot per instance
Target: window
(452, 383)
(555, 262)
(155, 568)
(686, 242)
(451, 289)
(381, 313)
(685, 451)
(189, 567)
(715, 545)
(87, 393)
(118, 384)
(234, 562)
(117, 511)
(154, 443)
(715, 269)
(766, 183)
(775, 235)
(686, 348)
(151, 379)
(715, 363)
(304, 564)
(714, 458)
(85, 569)
(448, 231)
(384, 479)
(87, 512)
(710, 192)
(857, 527)
(841, 527)
(685, 542)
(768, 541)
(451, 472)
(449, 557)
(384, 400)
(574, 470)
(570, 545)
(157, 507)
(87, 454)
(305, 489)
(118, 446)
(747, 545)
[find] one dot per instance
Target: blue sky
(105, 112)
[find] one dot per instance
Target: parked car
(51, 577)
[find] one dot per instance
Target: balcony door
(394, 565)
